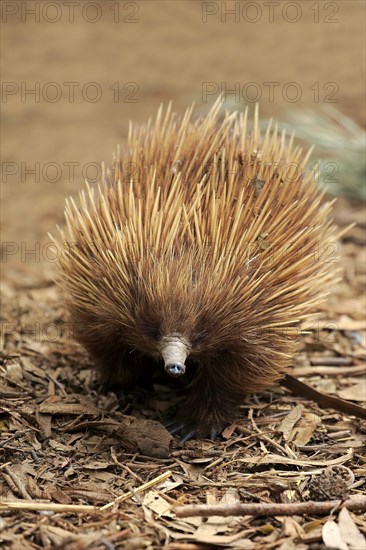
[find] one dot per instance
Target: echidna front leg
(212, 403)
(121, 370)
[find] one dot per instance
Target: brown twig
(124, 466)
(270, 509)
(14, 436)
(329, 370)
(323, 400)
(331, 361)
(15, 483)
(186, 546)
(48, 506)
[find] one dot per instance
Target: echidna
(201, 251)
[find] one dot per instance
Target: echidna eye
(199, 338)
(152, 331)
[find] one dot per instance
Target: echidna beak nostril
(174, 349)
(175, 369)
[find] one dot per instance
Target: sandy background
(160, 51)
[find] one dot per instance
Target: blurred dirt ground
(63, 442)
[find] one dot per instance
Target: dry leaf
(291, 528)
(346, 323)
(357, 392)
(30, 367)
(218, 524)
(96, 465)
(157, 504)
(349, 531)
(304, 429)
(58, 446)
(272, 458)
(290, 420)
(14, 373)
(332, 536)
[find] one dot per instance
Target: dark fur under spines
(214, 245)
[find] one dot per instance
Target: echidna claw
(122, 398)
(177, 426)
(188, 436)
(189, 429)
(174, 426)
(170, 423)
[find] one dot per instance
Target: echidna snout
(174, 349)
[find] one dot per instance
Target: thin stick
(139, 489)
(81, 508)
(47, 506)
(123, 466)
(331, 361)
(329, 371)
(270, 509)
(323, 400)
